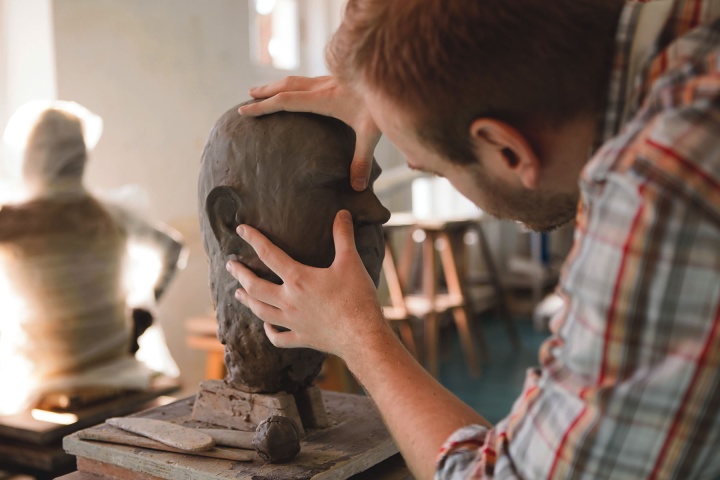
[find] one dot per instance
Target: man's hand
(330, 309)
(335, 310)
(324, 96)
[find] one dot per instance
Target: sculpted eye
(327, 180)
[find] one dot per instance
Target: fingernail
(238, 294)
(359, 184)
(241, 231)
(228, 266)
(345, 216)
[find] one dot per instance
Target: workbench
(33, 446)
(355, 442)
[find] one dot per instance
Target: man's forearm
(420, 413)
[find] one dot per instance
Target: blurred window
(275, 33)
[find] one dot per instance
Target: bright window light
(276, 37)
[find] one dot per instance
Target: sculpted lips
(368, 243)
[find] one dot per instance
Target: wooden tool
(119, 437)
(176, 436)
(230, 438)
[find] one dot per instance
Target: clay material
(286, 174)
(63, 305)
(277, 440)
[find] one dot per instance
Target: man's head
(529, 67)
(286, 174)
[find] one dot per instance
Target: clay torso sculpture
(64, 315)
(65, 256)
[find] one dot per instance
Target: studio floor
(501, 377)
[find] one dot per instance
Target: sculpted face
(286, 174)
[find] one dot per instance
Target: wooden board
(355, 441)
(22, 426)
(47, 458)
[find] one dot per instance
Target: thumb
(343, 234)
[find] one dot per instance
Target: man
(507, 98)
(287, 174)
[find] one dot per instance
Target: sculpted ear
(221, 206)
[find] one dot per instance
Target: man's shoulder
(673, 141)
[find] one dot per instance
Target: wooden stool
(202, 335)
(446, 237)
(397, 312)
(430, 302)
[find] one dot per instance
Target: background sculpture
(64, 319)
(286, 174)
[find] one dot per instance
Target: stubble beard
(538, 211)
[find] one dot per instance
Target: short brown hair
(525, 62)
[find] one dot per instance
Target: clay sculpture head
(286, 174)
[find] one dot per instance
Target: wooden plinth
(354, 441)
(220, 404)
(32, 446)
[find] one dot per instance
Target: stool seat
(419, 305)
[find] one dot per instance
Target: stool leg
(455, 288)
(405, 264)
(215, 365)
(466, 339)
(431, 343)
(497, 286)
(406, 334)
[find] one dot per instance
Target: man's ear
(510, 146)
(221, 206)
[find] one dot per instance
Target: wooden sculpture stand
(220, 404)
(355, 441)
(34, 447)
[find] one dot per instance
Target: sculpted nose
(366, 208)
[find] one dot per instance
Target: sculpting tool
(176, 436)
(121, 438)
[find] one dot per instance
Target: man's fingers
(287, 84)
(256, 287)
(360, 173)
(265, 312)
(284, 101)
(291, 94)
(275, 259)
(343, 234)
(287, 339)
(361, 166)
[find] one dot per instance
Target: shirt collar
(640, 24)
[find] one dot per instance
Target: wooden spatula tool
(175, 436)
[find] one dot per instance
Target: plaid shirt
(629, 384)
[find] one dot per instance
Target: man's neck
(564, 150)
